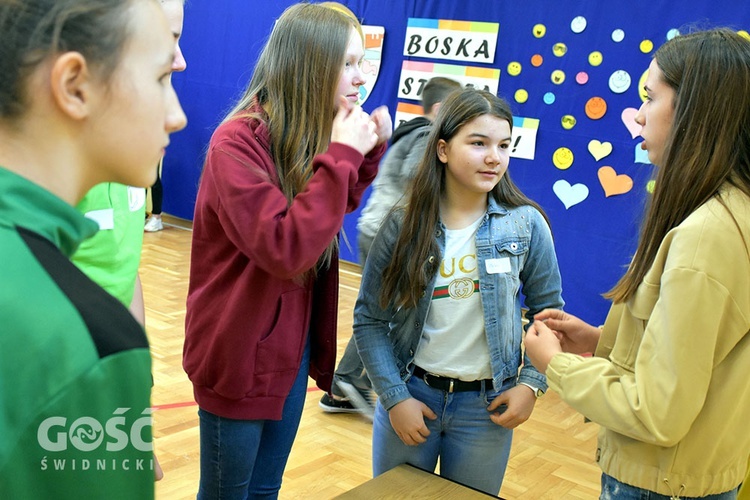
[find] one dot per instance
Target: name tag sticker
(497, 266)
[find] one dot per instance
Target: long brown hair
(416, 254)
(295, 82)
(709, 144)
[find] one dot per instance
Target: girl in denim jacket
(438, 318)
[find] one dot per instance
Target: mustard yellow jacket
(670, 381)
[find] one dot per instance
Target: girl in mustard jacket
(669, 380)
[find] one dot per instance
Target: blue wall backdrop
(596, 237)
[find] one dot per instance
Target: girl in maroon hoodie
(293, 156)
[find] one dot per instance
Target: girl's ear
(70, 84)
(441, 154)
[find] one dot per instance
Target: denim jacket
(387, 339)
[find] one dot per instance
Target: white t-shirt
(453, 342)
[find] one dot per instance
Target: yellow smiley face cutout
(595, 58)
(568, 122)
(559, 49)
(562, 158)
(557, 77)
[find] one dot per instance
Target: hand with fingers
(575, 335)
(407, 419)
(355, 128)
(383, 123)
(518, 401)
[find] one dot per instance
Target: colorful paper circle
(619, 81)
(537, 60)
(549, 98)
(568, 122)
(521, 96)
(559, 49)
(595, 108)
(595, 58)
(562, 158)
(618, 35)
(578, 24)
(539, 30)
(557, 77)
(582, 77)
(514, 68)
(646, 46)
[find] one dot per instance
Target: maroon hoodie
(249, 311)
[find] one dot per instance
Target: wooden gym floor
(552, 455)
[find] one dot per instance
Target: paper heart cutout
(641, 155)
(628, 118)
(570, 195)
(599, 150)
(612, 183)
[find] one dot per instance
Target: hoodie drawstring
(672, 495)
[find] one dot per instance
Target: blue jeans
(245, 459)
(612, 489)
(473, 450)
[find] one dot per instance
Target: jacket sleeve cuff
(533, 378)
(557, 368)
(394, 396)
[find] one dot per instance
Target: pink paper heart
(628, 118)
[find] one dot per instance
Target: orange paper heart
(612, 183)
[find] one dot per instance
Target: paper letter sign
(467, 41)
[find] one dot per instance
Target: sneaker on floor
(153, 224)
(362, 400)
(333, 405)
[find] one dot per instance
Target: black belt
(450, 384)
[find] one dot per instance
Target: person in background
(112, 256)
(153, 221)
(438, 318)
(288, 162)
(351, 390)
(668, 384)
(75, 369)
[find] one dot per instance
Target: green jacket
(75, 370)
(669, 384)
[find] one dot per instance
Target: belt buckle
(428, 374)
